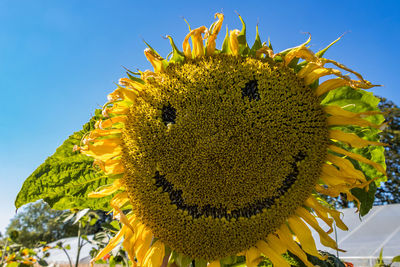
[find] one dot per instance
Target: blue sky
(59, 59)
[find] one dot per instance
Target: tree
(390, 191)
(38, 222)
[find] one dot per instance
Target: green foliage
(390, 191)
(13, 254)
(65, 178)
(359, 101)
(38, 222)
(380, 263)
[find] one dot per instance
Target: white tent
(58, 256)
(380, 228)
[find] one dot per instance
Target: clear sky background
(59, 59)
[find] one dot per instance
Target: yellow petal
(123, 93)
(320, 209)
(304, 235)
(128, 243)
(252, 257)
(346, 166)
(357, 157)
(343, 67)
(340, 120)
(336, 110)
(330, 84)
(307, 69)
(332, 175)
(270, 253)
(233, 42)
(214, 33)
(301, 52)
(113, 166)
(286, 237)
(134, 85)
(197, 40)
(214, 264)
(115, 110)
(103, 149)
(326, 240)
(155, 60)
(111, 244)
(108, 190)
(265, 50)
(318, 73)
(155, 255)
(352, 139)
(102, 133)
(142, 245)
(105, 124)
(275, 243)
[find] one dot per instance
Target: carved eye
(168, 114)
(251, 90)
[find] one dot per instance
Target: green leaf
(359, 101)
(93, 221)
(366, 198)
(396, 259)
(42, 262)
(65, 178)
(381, 256)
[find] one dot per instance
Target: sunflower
(220, 153)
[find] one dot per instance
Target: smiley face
(220, 151)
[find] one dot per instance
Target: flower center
(220, 151)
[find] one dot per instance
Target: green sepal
(293, 64)
(322, 51)
(257, 43)
(66, 178)
(278, 58)
(359, 101)
(164, 62)
(151, 48)
(130, 74)
(200, 263)
(229, 260)
(182, 260)
(225, 45)
(177, 56)
(244, 49)
(172, 258)
(314, 84)
(269, 44)
(284, 52)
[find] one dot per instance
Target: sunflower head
(219, 153)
